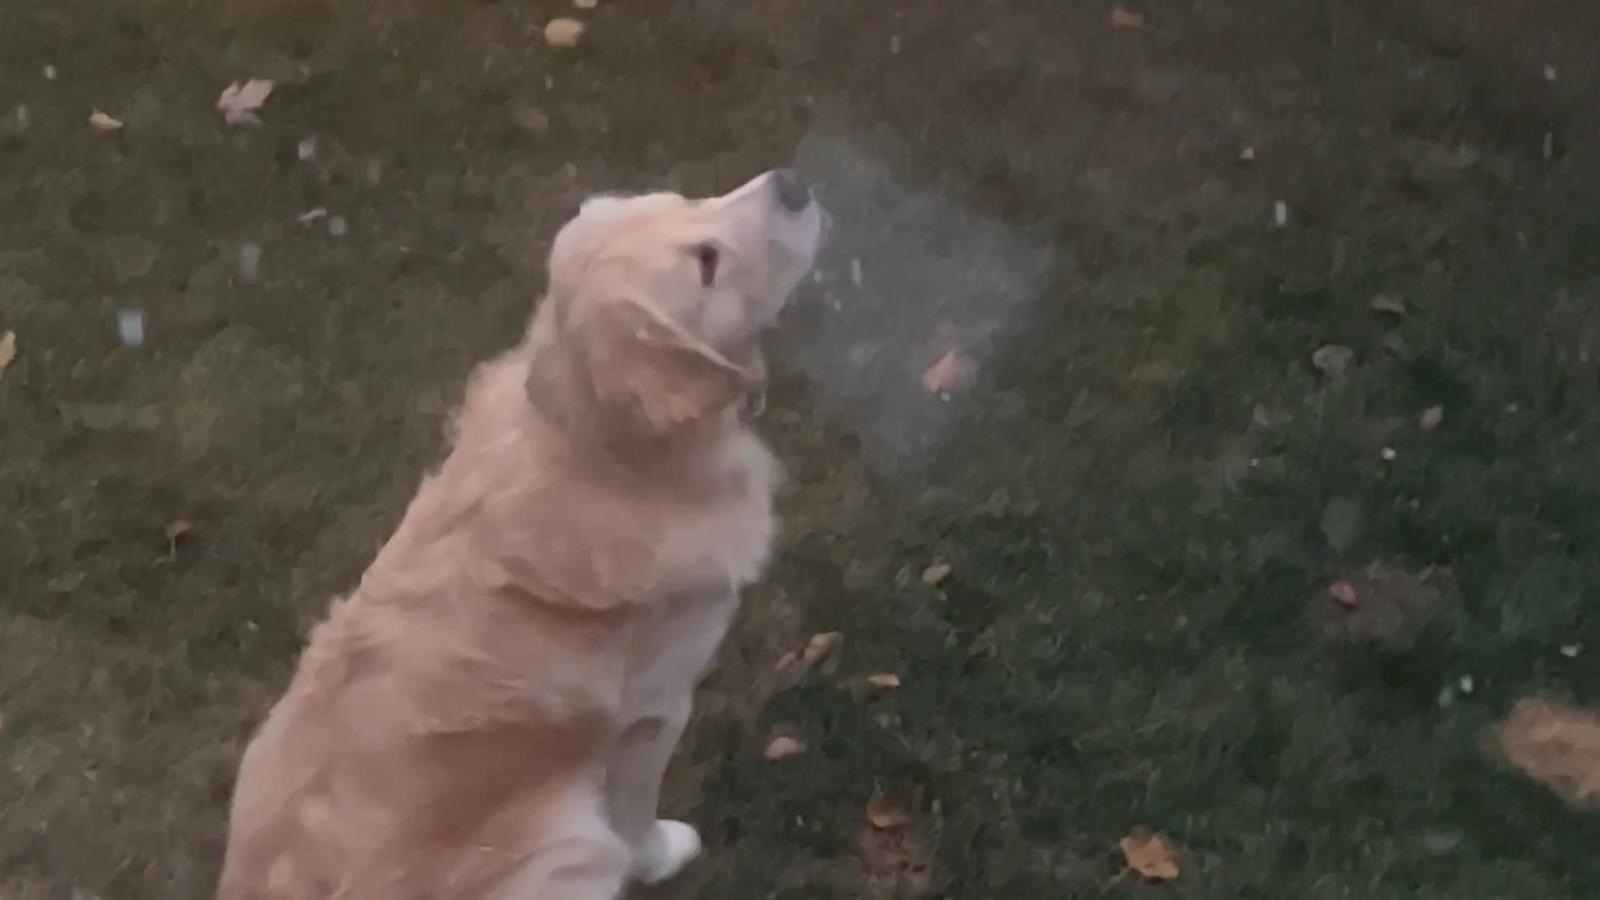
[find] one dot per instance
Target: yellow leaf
(1123, 18)
(103, 123)
(563, 32)
(935, 574)
(8, 349)
(1149, 854)
(884, 680)
(783, 747)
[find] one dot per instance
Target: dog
(489, 714)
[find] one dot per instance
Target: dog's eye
(707, 256)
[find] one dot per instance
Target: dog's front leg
(661, 847)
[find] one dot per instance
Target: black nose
(792, 191)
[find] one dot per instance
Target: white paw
(667, 847)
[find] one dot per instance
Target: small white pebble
(1465, 684)
(1549, 72)
(855, 271)
(50, 73)
(1571, 651)
(23, 117)
(1549, 145)
(130, 327)
(249, 261)
(306, 149)
(1280, 214)
(337, 226)
(1447, 696)
(1248, 154)
(894, 43)
(1388, 454)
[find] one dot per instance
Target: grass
(1131, 495)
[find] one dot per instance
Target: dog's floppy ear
(644, 367)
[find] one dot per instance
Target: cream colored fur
(489, 714)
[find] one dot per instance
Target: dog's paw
(665, 850)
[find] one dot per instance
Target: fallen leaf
(786, 660)
(887, 810)
(784, 747)
(1124, 18)
(1384, 602)
(239, 101)
(104, 123)
(1555, 744)
(935, 574)
(586, 4)
(1388, 303)
(819, 646)
(1430, 418)
(897, 852)
(177, 528)
(953, 370)
(1341, 522)
(1333, 360)
(563, 32)
(1150, 854)
(1343, 593)
(884, 680)
(8, 349)
(311, 215)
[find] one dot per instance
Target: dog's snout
(791, 189)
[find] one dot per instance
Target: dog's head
(658, 300)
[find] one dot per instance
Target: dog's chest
(670, 650)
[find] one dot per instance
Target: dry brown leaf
(1555, 744)
(177, 528)
(1333, 360)
(783, 747)
(8, 349)
(1343, 593)
(1392, 603)
(563, 32)
(887, 681)
(240, 100)
(887, 810)
(1150, 854)
(103, 123)
(819, 646)
(1430, 418)
(953, 370)
(1125, 18)
(935, 574)
(1388, 303)
(897, 852)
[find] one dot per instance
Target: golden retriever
(489, 714)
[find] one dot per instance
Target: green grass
(1130, 494)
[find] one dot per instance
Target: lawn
(1256, 484)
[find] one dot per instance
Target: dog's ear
(646, 368)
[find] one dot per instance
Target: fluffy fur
(489, 714)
